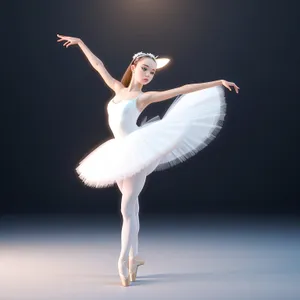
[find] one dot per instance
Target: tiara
(141, 54)
(161, 62)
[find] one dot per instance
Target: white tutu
(190, 124)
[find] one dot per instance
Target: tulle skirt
(190, 124)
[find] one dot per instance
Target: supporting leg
(135, 242)
(134, 247)
(131, 188)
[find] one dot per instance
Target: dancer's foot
(134, 263)
(124, 281)
(123, 272)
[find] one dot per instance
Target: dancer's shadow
(183, 277)
(161, 278)
(170, 278)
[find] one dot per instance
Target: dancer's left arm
(151, 97)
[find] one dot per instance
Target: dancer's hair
(128, 73)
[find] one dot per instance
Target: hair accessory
(161, 62)
(141, 54)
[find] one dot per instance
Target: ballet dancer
(190, 124)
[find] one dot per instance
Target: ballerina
(190, 124)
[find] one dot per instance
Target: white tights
(130, 189)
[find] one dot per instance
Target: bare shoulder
(158, 96)
(122, 92)
(118, 86)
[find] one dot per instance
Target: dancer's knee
(127, 208)
(126, 213)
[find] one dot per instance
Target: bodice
(122, 116)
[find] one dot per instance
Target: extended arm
(96, 63)
(151, 97)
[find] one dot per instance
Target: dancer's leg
(134, 246)
(137, 210)
(131, 188)
(135, 242)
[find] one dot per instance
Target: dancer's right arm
(96, 63)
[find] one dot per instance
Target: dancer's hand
(228, 84)
(69, 40)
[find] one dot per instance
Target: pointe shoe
(134, 263)
(122, 271)
(125, 281)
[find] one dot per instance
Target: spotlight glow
(162, 62)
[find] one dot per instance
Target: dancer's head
(141, 69)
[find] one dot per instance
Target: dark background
(54, 103)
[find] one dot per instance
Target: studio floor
(191, 257)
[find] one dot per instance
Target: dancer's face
(144, 71)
